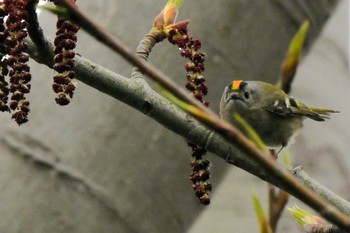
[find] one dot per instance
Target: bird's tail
(321, 113)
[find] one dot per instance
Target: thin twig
(137, 94)
(226, 129)
(116, 45)
(277, 201)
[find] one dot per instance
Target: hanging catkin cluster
(15, 74)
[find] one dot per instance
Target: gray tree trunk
(99, 166)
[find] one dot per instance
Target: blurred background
(97, 165)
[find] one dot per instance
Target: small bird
(274, 115)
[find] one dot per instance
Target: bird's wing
(291, 107)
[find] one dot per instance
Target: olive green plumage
(270, 111)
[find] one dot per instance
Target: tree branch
(322, 191)
(137, 94)
(36, 34)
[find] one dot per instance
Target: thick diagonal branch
(142, 97)
(137, 94)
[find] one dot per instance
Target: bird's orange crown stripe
(236, 84)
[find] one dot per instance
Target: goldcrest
(274, 115)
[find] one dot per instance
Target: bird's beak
(232, 96)
(235, 96)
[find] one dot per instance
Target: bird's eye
(246, 95)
